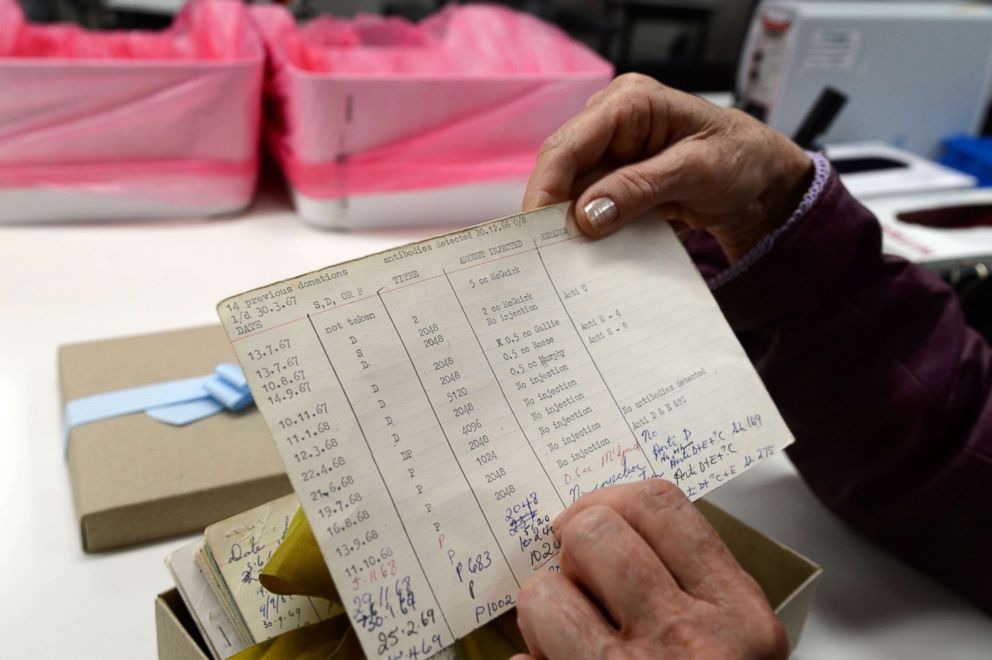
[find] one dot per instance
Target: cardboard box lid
(788, 579)
(135, 479)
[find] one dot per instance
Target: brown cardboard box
(135, 479)
(787, 578)
(177, 636)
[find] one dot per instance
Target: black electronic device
(819, 118)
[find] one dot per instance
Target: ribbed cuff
(820, 178)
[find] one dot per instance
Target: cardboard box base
(788, 579)
(177, 636)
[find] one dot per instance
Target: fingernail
(600, 212)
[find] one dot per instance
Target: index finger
(675, 529)
(574, 148)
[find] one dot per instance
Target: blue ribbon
(175, 402)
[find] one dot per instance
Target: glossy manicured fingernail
(601, 212)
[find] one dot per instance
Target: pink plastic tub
(378, 122)
(129, 124)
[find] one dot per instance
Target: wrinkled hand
(643, 575)
(640, 145)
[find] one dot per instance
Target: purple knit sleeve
(885, 387)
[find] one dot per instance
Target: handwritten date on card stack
(218, 579)
(438, 404)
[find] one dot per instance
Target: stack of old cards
(217, 577)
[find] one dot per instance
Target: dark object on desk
(867, 164)
(951, 217)
(818, 120)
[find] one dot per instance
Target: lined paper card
(438, 404)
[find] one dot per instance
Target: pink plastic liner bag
(168, 117)
(375, 105)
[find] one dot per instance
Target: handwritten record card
(438, 404)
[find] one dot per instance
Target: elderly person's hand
(640, 145)
(643, 575)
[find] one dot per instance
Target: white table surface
(61, 284)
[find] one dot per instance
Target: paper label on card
(438, 404)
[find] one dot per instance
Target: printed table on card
(438, 404)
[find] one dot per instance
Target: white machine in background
(913, 72)
(944, 230)
(874, 169)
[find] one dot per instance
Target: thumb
(630, 191)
